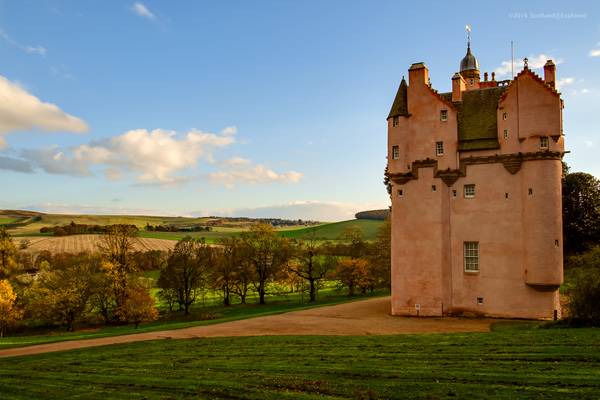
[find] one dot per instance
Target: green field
(8, 220)
(517, 362)
(334, 230)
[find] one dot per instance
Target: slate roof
(400, 105)
(477, 118)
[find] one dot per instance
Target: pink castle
(475, 177)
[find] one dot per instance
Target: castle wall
(515, 216)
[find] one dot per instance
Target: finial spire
(468, 29)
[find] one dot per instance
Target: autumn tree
(355, 245)
(230, 272)
(9, 314)
(311, 263)
(186, 270)
(353, 273)
(8, 252)
(61, 291)
(268, 254)
(138, 306)
(380, 255)
(116, 247)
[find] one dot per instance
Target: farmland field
(79, 243)
(333, 230)
(509, 363)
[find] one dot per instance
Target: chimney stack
(550, 73)
(458, 86)
(418, 74)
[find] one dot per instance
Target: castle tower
(476, 194)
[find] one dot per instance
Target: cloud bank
(241, 171)
(22, 111)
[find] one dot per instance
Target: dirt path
(367, 317)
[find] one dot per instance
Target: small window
(506, 195)
(504, 116)
(454, 193)
(400, 193)
(544, 143)
(480, 300)
(395, 152)
(444, 115)
(531, 191)
(469, 191)
(505, 134)
(471, 81)
(433, 188)
(439, 148)
(395, 121)
(471, 251)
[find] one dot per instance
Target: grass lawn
(520, 362)
(213, 312)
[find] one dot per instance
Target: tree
(9, 314)
(138, 307)
(380, 255)
(353, 273)
(230, 272)
(186, 270)
(8, 251)
(584, 296)
(311, 263)
(116, 246)
(581, 212)
(356, 246)
(61, 292)
(268, 254)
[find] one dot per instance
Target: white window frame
(506, 134)
(395, 152)
(544, 143)
(439, 148)
(469, 191)
(395, 121)
(444, 115)
(471, 256)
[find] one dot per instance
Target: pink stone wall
(520, 258)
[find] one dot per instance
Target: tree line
(107, 287)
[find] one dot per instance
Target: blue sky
(260, 108)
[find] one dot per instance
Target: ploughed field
(511, 362)
(79, 243)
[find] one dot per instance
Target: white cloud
(595, 53)
(584, 90)
(39, 50)
(306, 210)
(588, 143)
(21, 111)
(154, 157)
(562, 82)
(534, 62)
(239, 170)
(141, 10)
